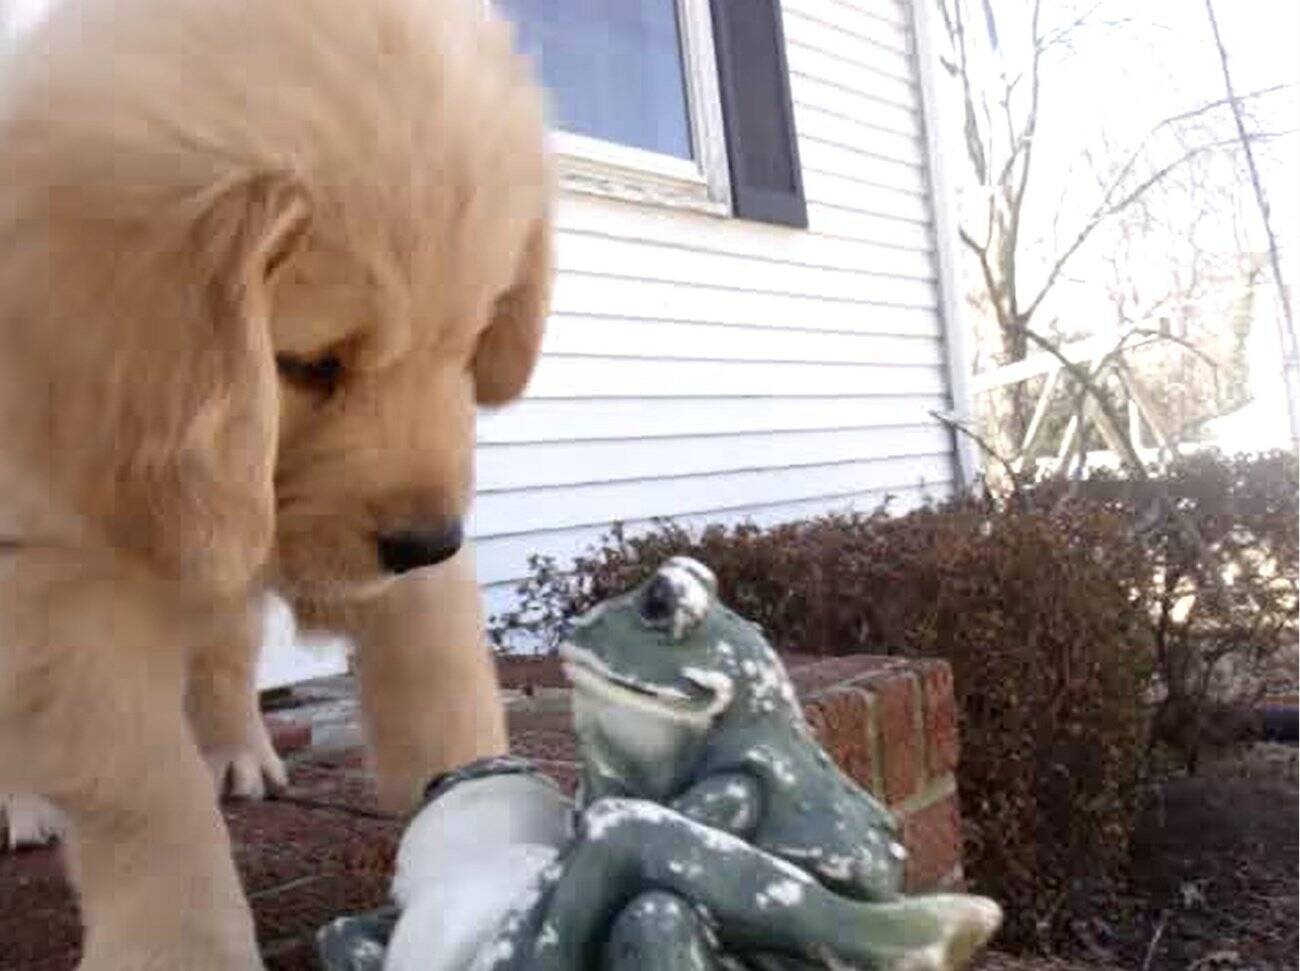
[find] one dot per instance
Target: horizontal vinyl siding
(539, 420)
(902, 257)
(580, 292)
(505, 468)
(497, 556)
(715, 370)
(609, 256)
(667, 494)
(642, 337)
(623, 377)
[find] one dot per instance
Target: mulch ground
(1213, 880)
(321, 851)
(1214, 875)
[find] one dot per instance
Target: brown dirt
(1213, 884)
(1215, 864)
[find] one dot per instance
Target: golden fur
(191, 191)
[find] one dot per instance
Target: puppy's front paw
(246, 771)
(29, 821)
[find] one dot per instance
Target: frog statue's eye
(658, 603)
(677, 598)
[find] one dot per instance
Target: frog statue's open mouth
(705, 693)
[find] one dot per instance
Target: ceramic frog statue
(678, 699)
(712, 832)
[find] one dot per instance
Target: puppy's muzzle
(404, 550)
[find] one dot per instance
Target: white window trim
(598, 167)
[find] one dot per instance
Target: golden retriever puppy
(259, 263)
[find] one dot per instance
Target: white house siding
(710, 369)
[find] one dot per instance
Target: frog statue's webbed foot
(356, 943)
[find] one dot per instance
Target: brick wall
(892, 725)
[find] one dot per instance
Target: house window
(669, 101)
(614, 70)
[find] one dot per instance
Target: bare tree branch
(990, 281)
(1108, 208)
(1288, 334)
(1182, 342)
(990, 24)
(1030, 133)
(1221, 103)
(960, 427)
(956, 27)
(1060, 34)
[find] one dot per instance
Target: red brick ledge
(892, 726)
(287, 735)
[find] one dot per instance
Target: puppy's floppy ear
(215, 491)
(507, 351)
(162, 421)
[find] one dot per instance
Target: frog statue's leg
(753, 901)
(659, 931)
(728, 801)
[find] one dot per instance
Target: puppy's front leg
(92, 670)
(428, 685)
(222, 704)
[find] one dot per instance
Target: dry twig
(1155, 941)
(1287, 325)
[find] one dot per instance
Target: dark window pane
(613, 67)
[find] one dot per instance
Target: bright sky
(1142, 62)
(1263, 42)
(1167, 62)
(1138, 64)
(18, 14)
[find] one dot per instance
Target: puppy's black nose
(410, 549)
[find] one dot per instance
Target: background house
(752, 316)
(748, 322)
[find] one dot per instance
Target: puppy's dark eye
(315, 374)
